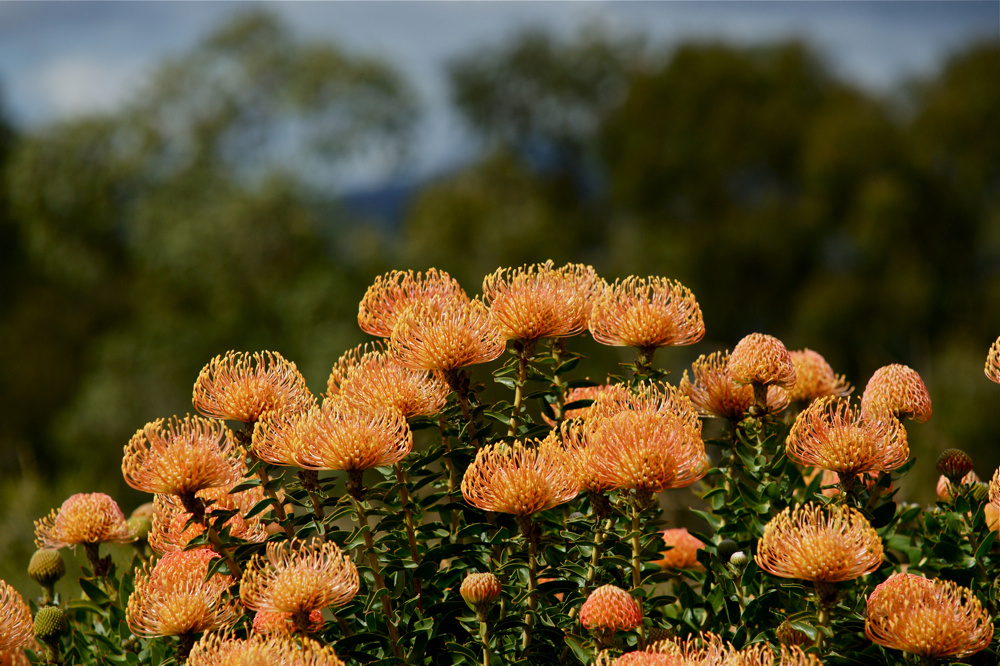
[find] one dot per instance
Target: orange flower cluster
(297, 577)
(444, 335)
(711, 650)
(541, 301)
(713, 391)
(171, 531)
(84, 518)
(832, 434)
(222, 650)
(646, 313)
(393, 293)
(339, 436)
(814, 378)
(16, 625)
(683, 553)
(174, 598)
(898, 390)
(282, 624)
(518, 479)
(819, 544)
(242, 387)
(762, 360)
(610, 608)
(926, 617)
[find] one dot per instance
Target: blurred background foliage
(207, 216)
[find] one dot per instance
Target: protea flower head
(578, 457)
(761, 360)
(370, 377)
(710, 650)
(283, 624)
(713, 391)
(954, 464)
(898, 390)
(393, 293)
(182, 456)
(579, 394)
(172, 529)
(16, 624)
(221, 649)
(173, 598)
(993, 362)
(84, 518)
(541, 301)
(519, 479)
(50, 624)
(241, 387)
(46, 566)
(929, 618)
(834, 435)
(819, 544)
(274, 434)
(299, 577)
(646, 313)
(480, 591)
(610, 608)
(683, 553)
(814, 378)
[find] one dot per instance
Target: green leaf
(575, 644)
(986, 545)
(95, 593)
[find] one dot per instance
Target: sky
(60, 59)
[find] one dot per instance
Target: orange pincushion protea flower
(929, 618)
(762, 360)
(832, 434)
(16, 625)
(814, 378)
(683, 553)
(580, 394)
(993, 362)
(714, 393)
(480, 591)
(241, 387)
(84, 518)
(943, 488)
(819, 544)
(171, 530)
(578, 457)
(899, 390)
(711, 650)
(646, 313)
(223, 650)
(369, 377)
(274, 436)
(610, 608)
(297, 577)
(283, 624)
(445, 334)
(173, 598)
(14, 657)
(396, 291)
(540, 301)
(181, 456)
(340, 436)
(518, 479)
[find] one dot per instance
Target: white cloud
(74, 84)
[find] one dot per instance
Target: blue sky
(58, 59)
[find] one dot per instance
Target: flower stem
(484, 637)
(523, 349)
(558, 347)
(377, 573)
(531, 535)
(411, 536)
(639, 500)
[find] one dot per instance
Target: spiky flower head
(994, 493)
(713, 391)
(181, 456)
(46, 566)
(273, 439)
(993, 362)
(16, 626)
(814, 378)
(219, 649)
(819, 544)
(340, 436)
(444, 335)
(283, 624)
(788, 634)
(393, 293)
(929, 618)
(684, 547)
(578, 456)
(172, 528)
(610, 608)
(955, 464)
(762, 360)
(646, 313)
(899, 390)
(174, 597)
(299, 577)
(580, 394)
(647, 441)
(84, 518)
(835, 435)
(710, 650)
(50, 623)
(241, 386)
(519, 479)
(370, 377)
(480, 591)
(540, 301)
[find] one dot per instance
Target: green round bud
(726, 548)
(50, 623)
(46, 566)
(139, 527)
(954, 464)
(738, 561)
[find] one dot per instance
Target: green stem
(484, 637)
(523, 349)
(411, 535)
(453, 517)
(377, 573)
(279, 509)
(558, 347)
(531, 535)
(639, 501)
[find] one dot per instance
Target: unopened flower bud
(50, 624)
(738, 562)
(480, 591)
(46, 566)
(790, 635)
(954, 464)
(139, 526)
(726, 548)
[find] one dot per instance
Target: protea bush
(408, 515)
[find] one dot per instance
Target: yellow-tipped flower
(371, 378)
(299, 577)
(683, 553)
(929, 618)
(172, 528)
(834, 435)
(173, 598)
(762, 360)
(610, 608)
(274, 434)
(541, 301)
(714, 393)
(899, 390)
(340, 436)
(84, 518)
(480, 591)
(993, 362)
(223, 650)
(283, 624)
(814, 378)
(445, 334)
(17, 628)
(242, 386)
(393, 293)
(181, 456)
(518, 479)
(646, 313)
(819, 544)
(711, 650)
